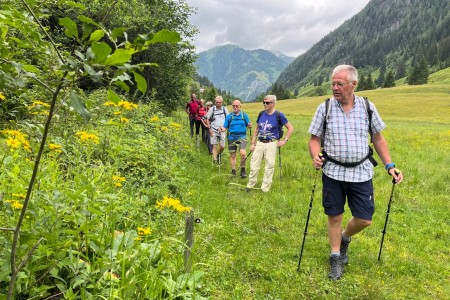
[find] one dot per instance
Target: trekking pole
(307, 218)
(387, 213)
(279, 160)
(240, 166)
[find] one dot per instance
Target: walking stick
(387, 213)
(240, 166)
(307, 218)
(279, 160)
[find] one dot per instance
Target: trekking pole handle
(396, 171)
(320, 155)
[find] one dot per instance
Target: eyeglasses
(339, 84)
(267, 102)
(235, 105)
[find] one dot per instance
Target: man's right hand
(318, 161)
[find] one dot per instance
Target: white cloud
(288, 26)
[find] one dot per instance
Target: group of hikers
(338, 145)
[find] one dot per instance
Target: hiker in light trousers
(265, 141)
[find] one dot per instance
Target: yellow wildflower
(164, 128)
(23, 196)
(172, 203)
(118, 184)
(117, 112)
(109, 103)
(127, 105)
(85, 136)
(2, 97)
(124, 120)
(175, 125)
(13, 143)
(144, 231)
(37, 103)
(154, 119)
(55, 147)
(15, 204)
(118, 178)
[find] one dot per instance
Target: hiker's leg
(271, 154)
(255, 164)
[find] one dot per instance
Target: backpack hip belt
(369, 157)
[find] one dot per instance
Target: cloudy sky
(288, 26)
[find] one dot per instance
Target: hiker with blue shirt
(265, 141)
(237, 123)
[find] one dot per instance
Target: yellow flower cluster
(127, 105)
(124, 120)
(144, 231)
(15, 204)
(155, 119)
(172, 203)
(38, 103)
(118, 180)
(55, 147)
(16, 139)
(122, 103)
(175, 125)
(85, 136)
(2, 97)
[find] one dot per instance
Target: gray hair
(352, 73)
(272, 98)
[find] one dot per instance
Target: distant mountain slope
(386, 34)
(245, 73)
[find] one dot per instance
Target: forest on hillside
(387, 35)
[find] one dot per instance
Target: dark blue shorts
(359, 196)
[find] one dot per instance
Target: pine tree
(361, 84)
(401, 70)
(389, 81)
(370, 85)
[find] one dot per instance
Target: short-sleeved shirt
(268, 126)
(217, 116)
(236, 125)
(346, 138)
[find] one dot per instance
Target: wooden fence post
(189, 238)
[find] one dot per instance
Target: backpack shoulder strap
(325, 120)
(369, 115)
(259, 116)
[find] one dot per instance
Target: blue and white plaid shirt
(346, 138)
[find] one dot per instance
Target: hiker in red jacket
(201, 112)
(191, 110)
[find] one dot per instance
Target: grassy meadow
(248, 243)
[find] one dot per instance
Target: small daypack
(280, 124)
(213, 115)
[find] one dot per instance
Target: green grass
(249, 243)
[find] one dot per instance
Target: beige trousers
(268, 151)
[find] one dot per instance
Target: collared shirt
(346, 138)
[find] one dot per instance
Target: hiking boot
(233, 173)
(344, 249)
(248, 190)
(336, 267)
(243, 175)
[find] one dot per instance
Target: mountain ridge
(245, 73)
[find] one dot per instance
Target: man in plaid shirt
(347, 163)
